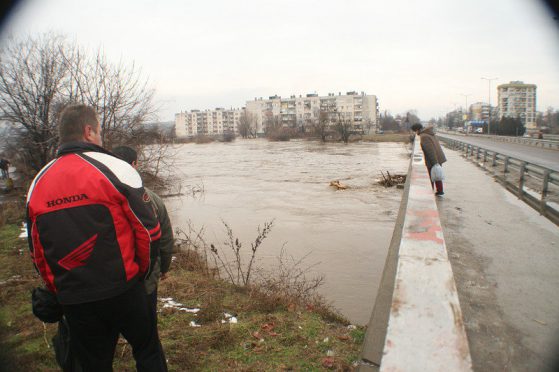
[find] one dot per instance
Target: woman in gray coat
(432, 151)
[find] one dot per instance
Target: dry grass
(12, 210)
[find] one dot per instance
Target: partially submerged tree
(247, 125)
(321, 124)
(344, 126)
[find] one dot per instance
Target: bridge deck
(544, 157)
(505, 258)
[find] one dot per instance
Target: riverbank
(205, 323)
(376, 137)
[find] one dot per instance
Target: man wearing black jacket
(93, 237)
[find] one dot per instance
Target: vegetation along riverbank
(206, 323)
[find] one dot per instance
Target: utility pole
(489, 99)
(467, 110)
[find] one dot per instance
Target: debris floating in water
(338, 185)
(390, 180)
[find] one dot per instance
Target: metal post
(484, 157)
(544, 190)
(505, 167)
(521, 180)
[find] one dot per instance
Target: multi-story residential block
(207, 122)
(517, 99)
(360, 110)
(479, 111)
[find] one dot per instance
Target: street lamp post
(465, 116)
(489, 99)
(466, 108)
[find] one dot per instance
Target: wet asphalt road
(531, 154)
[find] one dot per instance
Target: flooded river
(347, 232)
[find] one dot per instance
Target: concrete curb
(425, 330)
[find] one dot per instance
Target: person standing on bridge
(432, 151)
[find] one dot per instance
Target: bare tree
(344, 126)
(247, 125)
(33, 80)
(39, 76)
(321, 124)
(118, 92)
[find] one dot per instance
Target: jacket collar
(76, 147)
(428, 130)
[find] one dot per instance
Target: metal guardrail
(536, 185)
(549, 142)
(417, 322)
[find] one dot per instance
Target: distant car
(479, 130)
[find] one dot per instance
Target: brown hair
(73, 120)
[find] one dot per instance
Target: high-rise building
(300, 111)
(479, 111)
(207, 122)
(518, 100)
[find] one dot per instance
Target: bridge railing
(550, 141)
(417, 323)
(536, 185)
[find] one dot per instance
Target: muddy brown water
(345, 234)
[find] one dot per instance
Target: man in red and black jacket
(93, 237)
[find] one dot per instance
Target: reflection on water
(248, 182)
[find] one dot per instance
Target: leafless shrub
(12, 212)
(201, 139)
(192, 242)
(288, 280)
(235, 269)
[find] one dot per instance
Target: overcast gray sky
(419, 55)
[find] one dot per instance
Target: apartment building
(479, 111)
(207, 122)
(517, 99)
(301, 111)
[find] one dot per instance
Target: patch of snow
(168, 302)
(23, 234)
(229, 319)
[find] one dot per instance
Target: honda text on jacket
(91, 227)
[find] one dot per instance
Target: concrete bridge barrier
(417, 322)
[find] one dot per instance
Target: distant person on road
(166, 243)
(93, 237)
(432, 150)
(5, 167)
